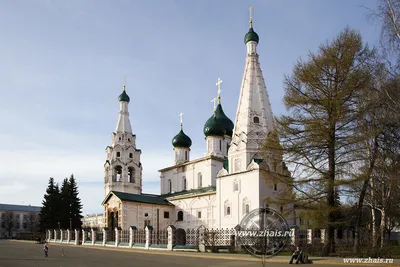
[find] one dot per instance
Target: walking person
(46, 249)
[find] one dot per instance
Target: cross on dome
(181, 118)
(251, 16)
(218, 84)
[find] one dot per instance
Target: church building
(215, 191)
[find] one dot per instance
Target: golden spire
(219, 89)
(251, 16)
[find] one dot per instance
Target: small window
(118, 154)
(129, 139)
(256, 120)
(275, 187)
(281, 209)
(184, 183)
(247, 208)
(220, 145)
(235, 186)
(180, 216)
(228, 211)
(166, 214)
(146, 215)
(169, 186)
(199, 214)
(130, 155)
(119, 139)
(199, 180)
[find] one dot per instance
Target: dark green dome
(251, 36)
(181, 140)
(213, 127)
(124, 97)
(224, 120)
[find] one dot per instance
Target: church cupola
(251, 38)
(181, 143)
(218, 129)
(124, 97)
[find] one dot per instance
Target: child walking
(45, 249)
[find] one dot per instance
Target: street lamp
(70, 219)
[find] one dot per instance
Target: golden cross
(251, 16)
(219, 89)
(124, 82)
(181, 116)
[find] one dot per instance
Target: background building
(16, 219)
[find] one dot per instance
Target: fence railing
(201, 239)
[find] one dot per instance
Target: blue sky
(62, 66)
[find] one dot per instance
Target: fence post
(170, 230)
(61, 235)
(105, 236)
(84, 231)
(148, 231)
(68, 235)
(93, 236)
(55, 235)
(117, 235)
(77, 237)
(323, 231)
(309, 236)
(48, 235)
(202, 244)
(132, 230)
(293, 236)
(238, 246)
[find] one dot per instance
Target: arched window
(247, 208)
(275, 187)
(228, 210)
(235, 186)
(169, 186)
(199, 180)
(118, 154)
(184, 183)
(130, 155)
(180, 215)
(256, 120)
(129, 139)
(117, 174)
(131, 174)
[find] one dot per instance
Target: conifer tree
(65, 204)
(76, 206)
(50, 210)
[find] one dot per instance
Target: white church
(215, 191)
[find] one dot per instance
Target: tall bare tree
(320, 136)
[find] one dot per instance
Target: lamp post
(70, 213)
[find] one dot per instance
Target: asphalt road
(23, 254)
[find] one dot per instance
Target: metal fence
(65, 235)
(99, 236)
(139, 236)
(124, 236)
(219, 237)
(88, 236)
(159, 237)
(72, 237)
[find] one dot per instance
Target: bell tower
(123, 169)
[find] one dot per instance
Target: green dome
(251, 36)
(124, 97)
(224, 120)
(213, 127)
(181, 140)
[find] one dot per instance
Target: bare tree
(10, 221)
(32, 221)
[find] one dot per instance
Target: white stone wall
(136, 214)
(197, 210)
(206, 168)
(93, 221)
(236, 191)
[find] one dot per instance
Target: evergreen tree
(50, 210)
(65, 205)
(76, 206)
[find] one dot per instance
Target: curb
(207, 255)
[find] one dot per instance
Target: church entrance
(180, 237)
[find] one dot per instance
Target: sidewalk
(224, 256)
